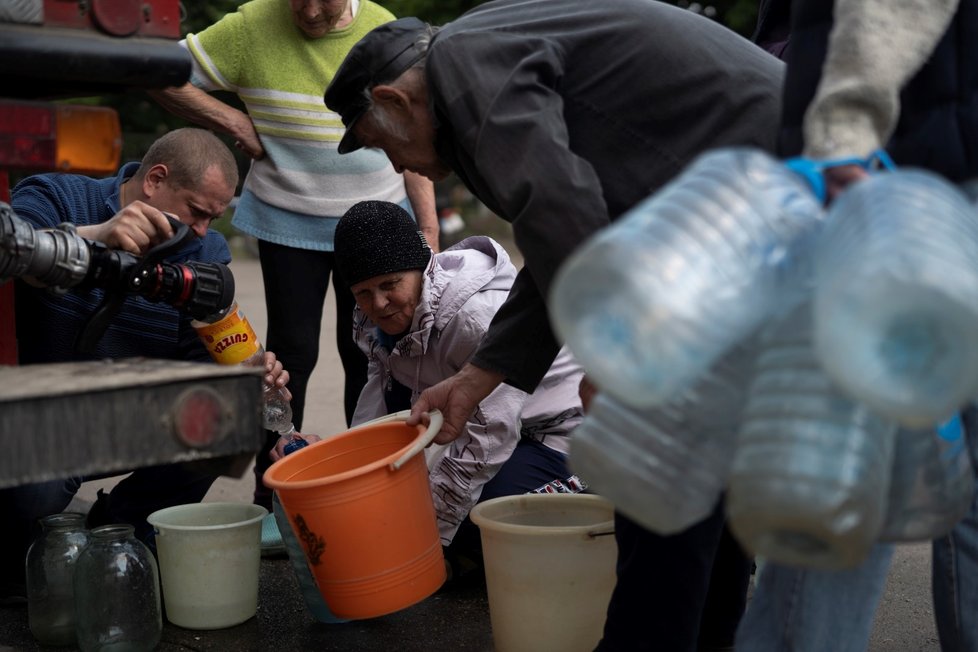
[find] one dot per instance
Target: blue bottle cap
(294, 444)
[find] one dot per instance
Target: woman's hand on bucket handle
(456, 397)
(276, 453)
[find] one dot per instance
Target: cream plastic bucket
(550, 569)
(209, 556)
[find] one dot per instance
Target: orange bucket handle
(435, 420)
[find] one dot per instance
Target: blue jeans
(804, 610)
(954, 580)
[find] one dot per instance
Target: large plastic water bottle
(932, 483)
(809, 479)
(896, 299)
(654, 300)
(665, 467)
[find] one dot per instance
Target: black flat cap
(379, 57)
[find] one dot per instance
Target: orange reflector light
(89, 139)
(59, 137)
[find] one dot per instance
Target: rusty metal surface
(112, 416)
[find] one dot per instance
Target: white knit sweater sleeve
(875, 47)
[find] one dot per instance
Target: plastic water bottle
(665, 467)
(230, 339)
(932, 483)
(654, 300)
(277, 417)
(809, 479)
(896, 298)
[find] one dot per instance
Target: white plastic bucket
(550, 569)
(209, 556)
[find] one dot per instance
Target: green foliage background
(143, 121)
(739, 15)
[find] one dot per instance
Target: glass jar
(50, 571)
(117, 592)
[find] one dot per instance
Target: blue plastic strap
(880, 156)
(951, 430)
(810, 172)
(813, 171)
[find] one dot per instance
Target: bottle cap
(294, 444)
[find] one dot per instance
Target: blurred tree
(739, 15)
(436, 12)
(143, 121)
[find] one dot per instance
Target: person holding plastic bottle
(903, 75)
(420, 316)
(190, 174)
(560, 115)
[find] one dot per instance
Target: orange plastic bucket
(361, 506)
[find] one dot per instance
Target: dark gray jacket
(560, 115)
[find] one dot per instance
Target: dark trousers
(133, 499)
(296, 281)
(676, 593)
(531, 466)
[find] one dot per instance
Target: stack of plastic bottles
(651, 303)
(897, 296)
(935, 483)
(808, 362)
(666, 466)
(811, 472)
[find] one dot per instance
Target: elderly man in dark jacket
(560, 115)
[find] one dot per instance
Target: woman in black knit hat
(419, 318)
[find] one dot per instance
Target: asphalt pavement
(455, 618)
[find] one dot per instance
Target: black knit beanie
(375, 238)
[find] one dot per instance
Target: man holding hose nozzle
(188, 173)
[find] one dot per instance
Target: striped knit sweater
(260, 55)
